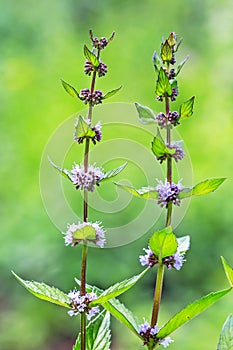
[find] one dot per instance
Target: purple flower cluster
(101, 69)
(179, 154)
(99, 239)
(147, 332)
(175, 93)
(80, 303)
(94, 98)
(164, 121)
(86, 180)
(149, 259)
(99, 44)
(96, 138)
(168, 193)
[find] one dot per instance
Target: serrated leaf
(111, 173)
(159, 148)
(90, 56)
(190, 311)
(163, 86)
(156, 61)
(166, 52)
(111, 93)
(186, 109)
(183, 244)
(45, 292)
(82, 128)
(207, 186)
(146, 115)
(70, 89)
(181, 64)
(63, 171)
(117, 289)
(172, 39)
(226, 336)
(143, 192)
(163, 243)
(228, 271)
(86, 232)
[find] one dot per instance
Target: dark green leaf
(228, 271)
(70, 89)
(146, 115)
(111, 173)
(226, 336)
(90, 56)
(82, 128)
(181, 64)
(207, 186)
(63, 171)
(163, 243)
(190, 311)
(163, 86)
(111, 93)
(166, 52)
(186, 109)
(45, 292)
(143, 192)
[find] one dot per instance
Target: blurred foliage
(39, 43)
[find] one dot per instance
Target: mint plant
(164, 251)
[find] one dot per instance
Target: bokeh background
(43, 41)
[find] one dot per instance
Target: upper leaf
(63, 171)
(166, 52)
(143, 192)
(156, 61)
(159, 148)
(163, 86)
(181, 64)
(111, 93)
(70, 89)
(163, 243)
(186, 109)
(226, 336)
(90, 56)
(146, 115)
(82, 128)
(228, 270)
(190, 311)
(111, 173)
(203, 187)
(45, 292)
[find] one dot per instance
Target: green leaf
(159, 148)
(70, 89)
(117, 289)
(143, 192)
(228, 271)
(97, 333)
(183, 244)
(87, 232)
(82, 128)
(207, 186)
(156, 61)
(172, 39)
(90, 56)
(185, 193)
(111, 93)
(45, 292)
(181, 64)
(166, 52)
(163, 86)
(163, 243)
(226, 336)
(63, 171)
(146, 115)
(186, 109)
(190, 311)
(111, 173)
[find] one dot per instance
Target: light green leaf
(90, 56)
(156, 61)
(117, 289)
(183, 244)
(172, 39)
(159, 148)
(185, 193)
(70, 89)
(226, 336)
(166, 52)
(181, 64)
(186, 109)
(228, 271)
(143, 192)
(45, 292)
(190, 311)
(146, 115)
(63, 171)
(82, 128)
(163, 243)
(86, 232)
(111, 173)
(207, 186)
(111, 93)
(163, 86)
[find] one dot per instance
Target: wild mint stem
(157, 295)
(83, 331)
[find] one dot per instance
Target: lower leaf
(226, 336)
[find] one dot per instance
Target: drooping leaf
(186, 109)
(70, 89)
(90, 56)
(163, 243)
(163, 86)
(63, 171)
(156, 61)
(228, 271)
(183, 244)
(111, 173)
(111, 93)
(143, 192)
(146, 115)
(166, 52)
(45, 292)
(203, 187)
(117, 289)
(190, 311)
(86, 232)
(181, 64)
(226, 336)
(82, 128)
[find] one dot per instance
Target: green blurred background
(42, 41)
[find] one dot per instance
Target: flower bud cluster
(163, 120)
(168, 193)
(86, 179)
(94, 98)
(147, 333)
(178, 155)
(101, 69)
(99, 44)
(80, 303)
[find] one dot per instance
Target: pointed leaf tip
(90, 56)
(146, 115)
(70, 89)
(228, 271)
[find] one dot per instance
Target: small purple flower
(86, 180)
(88, 68)
(173, 60)
(168, 193)
(98, 133)
(149, 333)
(149, 258)
(172, 74)
(175, 93)
(144, 328)
(102, 69)
(166, 342)
(80, 303)
(176, 261)
(99, 43)
(179, 154)
(93, 98)
(164, 121)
